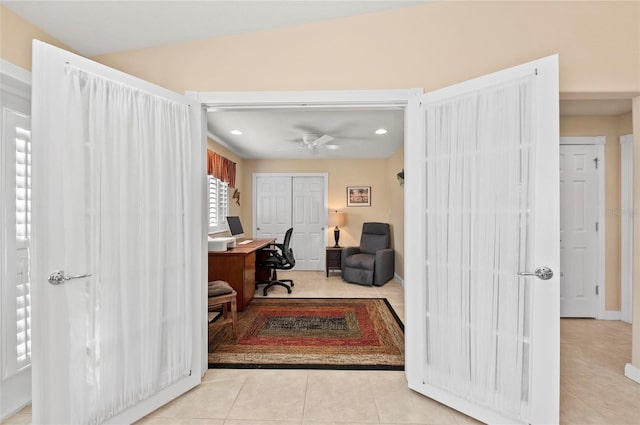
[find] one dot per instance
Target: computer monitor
(235, 227)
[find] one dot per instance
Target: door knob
(58, 277)
(544, 273)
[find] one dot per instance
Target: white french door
(119, 210)
(482, 330)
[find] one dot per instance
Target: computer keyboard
(245, 242)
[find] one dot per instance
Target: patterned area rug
(312, 333)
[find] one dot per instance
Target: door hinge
(597, 227)
(597, 289)
(596, 161)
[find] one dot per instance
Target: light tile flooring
(593, 389)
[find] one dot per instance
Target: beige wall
(612, 128)
(625, 124)
(15, 38)
(430, 46)
(380, 174)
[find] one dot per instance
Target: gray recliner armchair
(371, 263)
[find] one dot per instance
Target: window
(218, 204)
(16, 189)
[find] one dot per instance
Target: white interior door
(309, 218)
(90, 359)
(481, 337)
(272, 206)
(15, 239)
(578, 236)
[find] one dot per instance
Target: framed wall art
(358, 196)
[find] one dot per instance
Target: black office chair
(280, 258)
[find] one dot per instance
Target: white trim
(303, 99)
(610, 315)
(626, 227)
(597, 140)
(600, 142)
(14, 71)
(632, 372)
(397, 277)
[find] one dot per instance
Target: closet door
(282, 201)
(308, 216)
(272, 207)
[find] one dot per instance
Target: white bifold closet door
(482, 314)
(118, 211)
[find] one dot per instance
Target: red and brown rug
(312, 333)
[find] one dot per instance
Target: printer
(221, 244)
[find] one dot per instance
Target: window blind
(14, 245)
(218, 204)
(23, 236)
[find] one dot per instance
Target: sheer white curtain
(478, 239)
(127, 227)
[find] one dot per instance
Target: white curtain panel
(126, 225)
(479, 189)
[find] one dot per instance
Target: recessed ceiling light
(236, 132)
(381, 131)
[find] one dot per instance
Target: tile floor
(593, 388)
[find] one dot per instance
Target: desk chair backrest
(287, 252)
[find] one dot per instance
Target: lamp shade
(336, 218)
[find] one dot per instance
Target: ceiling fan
(312, 141)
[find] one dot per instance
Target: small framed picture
(358, 196)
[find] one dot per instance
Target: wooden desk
(239, 267)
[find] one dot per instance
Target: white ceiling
(99, 27)
(277, 133)
(94, 27)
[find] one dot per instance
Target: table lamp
(336, 219)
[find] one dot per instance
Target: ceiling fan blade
(322, 140)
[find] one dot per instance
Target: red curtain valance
(221, 168)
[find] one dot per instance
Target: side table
(333, 259)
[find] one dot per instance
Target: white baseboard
(611, 315)
(632, 372)
(399, 279)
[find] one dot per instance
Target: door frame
(406, 99)
(626, 249)
(325, 201)
(599, 142)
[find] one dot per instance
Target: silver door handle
(544, 273)
(58, 277)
